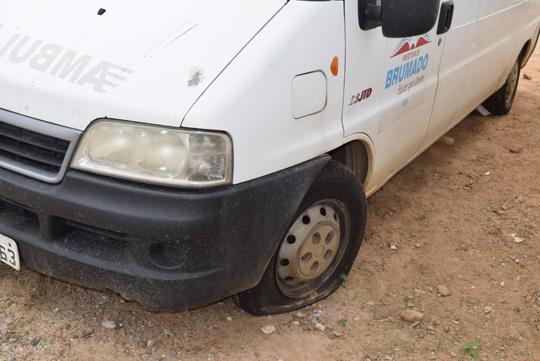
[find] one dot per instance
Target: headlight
(156, 155)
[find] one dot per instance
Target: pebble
(337, 334)
(412, 316)
(108, 324)
(35, 342)
(268, 329)
(448, 141)
(487, 310)
(516, 148)
(168, 333)
(443, 290)
(229, 318)
(320, 326)
(300, 315)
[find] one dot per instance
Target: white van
(181, 152)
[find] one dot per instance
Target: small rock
(168, 333)
(418, 245)
(108, 324)
(419, 291)
(516, 148)
(516, 260)
(320, 326)
(393, 247)
(337, 334)
(526, 76)
(150, 343)
(453, 354)
(229, 318)
(487, 310)
(448, 141)
(443, 290)
(35, 342)
(502, 284)
(268, 329)
(300, 315)
(412, 316)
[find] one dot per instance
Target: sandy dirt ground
(454, 236)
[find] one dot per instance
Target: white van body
(278, 87)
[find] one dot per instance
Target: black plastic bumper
(165, 247)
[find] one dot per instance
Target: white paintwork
(252, 101)
(160, 46)
(260, 71)
(308, 94)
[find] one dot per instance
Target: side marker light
(334, 67)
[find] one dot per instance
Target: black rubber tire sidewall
(497, 103)
(334, 181)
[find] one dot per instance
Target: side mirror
(398, 18)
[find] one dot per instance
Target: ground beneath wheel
(454, 236)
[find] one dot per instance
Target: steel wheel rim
(312, 248)
(512, 83)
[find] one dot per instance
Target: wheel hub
(512, 82)
(309, 248)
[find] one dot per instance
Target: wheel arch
(357, 156)
(528, 48)
(525, 53)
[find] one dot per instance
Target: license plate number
(9, 253)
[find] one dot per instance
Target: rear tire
(501, 101)
(320, 245)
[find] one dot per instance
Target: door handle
(445, 18)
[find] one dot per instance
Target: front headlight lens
(156, 155)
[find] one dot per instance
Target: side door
(479, 52)
(390, 87)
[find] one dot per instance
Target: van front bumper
(167, 248)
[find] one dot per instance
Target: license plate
(9, 253)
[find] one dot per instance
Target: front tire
(501, 101)
(320, 245)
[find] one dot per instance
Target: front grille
(35, 148)
(32, 149)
